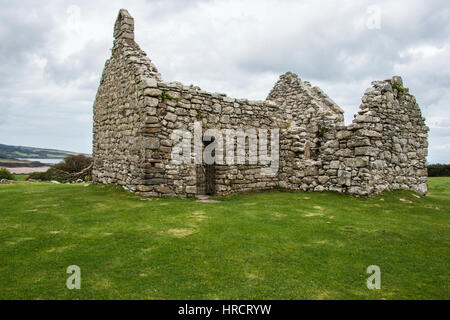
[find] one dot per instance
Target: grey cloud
(78, 65)
(234, 47)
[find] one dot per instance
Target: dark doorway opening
(206, 175)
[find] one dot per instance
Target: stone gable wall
(119, 110)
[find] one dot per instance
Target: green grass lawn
(273, 245)
(21, 177)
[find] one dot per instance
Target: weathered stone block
(172, 117)
(151, 102)
(355, 162)
(334, 164)
(155, 181)
(152, 92)
(151, 143)
(365, 151)
(148, 83)
(152, 119)
(341, 135)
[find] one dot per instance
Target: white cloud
(56, 51)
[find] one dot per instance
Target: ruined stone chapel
(136, 113)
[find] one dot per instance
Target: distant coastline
(25, 160)
(43, 161)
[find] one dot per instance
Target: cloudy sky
(52, 54)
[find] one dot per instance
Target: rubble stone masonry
(135, 113)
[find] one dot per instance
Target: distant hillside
(13, 152)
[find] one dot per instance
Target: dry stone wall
(385, 147)
(119, 110)
(136, 113)
(179, 107)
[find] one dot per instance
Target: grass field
(21, 177)
(272, 245)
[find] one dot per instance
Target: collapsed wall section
(385, 147)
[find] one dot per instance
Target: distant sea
(50, 161)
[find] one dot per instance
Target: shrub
(74, 164)
(69, 170)
(37, 176)
(439, 170)
(5, 174)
